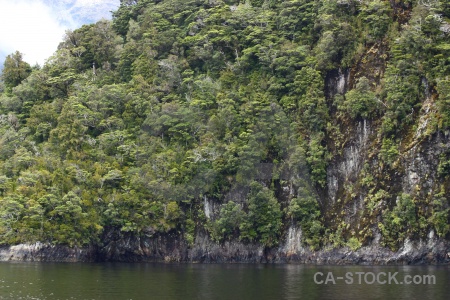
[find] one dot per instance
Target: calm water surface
(210, 281)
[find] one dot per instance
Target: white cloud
(30, 27)
(93, 9)
(36, 27)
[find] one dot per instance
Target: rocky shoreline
(172, 248)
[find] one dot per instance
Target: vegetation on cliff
(143, 122)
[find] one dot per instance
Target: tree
(11, 212)
(361, 101)
(376, 14)
(263, 222)
(71, 223)
(122, 16)
(69, 135)
(399, 222)
(305, 210)
(15, 70)
(297, 17)
(231, 217)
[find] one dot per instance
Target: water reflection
(215, 281)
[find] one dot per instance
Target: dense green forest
(137, 123)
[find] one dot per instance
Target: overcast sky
(36, 27)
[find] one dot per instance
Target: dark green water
(201, 281)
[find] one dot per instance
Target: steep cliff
(233, 131)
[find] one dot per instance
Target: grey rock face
(45, 252)
(172, 248)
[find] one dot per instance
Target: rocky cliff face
(44, 252)
(322, 138)
(344, 202)
(357, 172)
(174, 249)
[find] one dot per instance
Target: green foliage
(11, 214)
(297, 18)
(227, 224)
(317, 161)
(374, 201)
(443, 169)
(70, 218)
(15, 70)
(308, 85)
(122, 17)
(336, 238)
(305, 210)
(417, 63)
(399, 222)
(376, 15)
(263, 221)
(389, 151)
(68, 136)
(133, 121)
(443, 89)
(440, 215)
(190, 231)
(49, 218)
(361, 101)
(354, 244)
(337, 38)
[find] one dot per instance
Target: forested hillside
(233, 121)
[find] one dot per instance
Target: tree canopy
(235, 102)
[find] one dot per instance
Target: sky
(36, 27)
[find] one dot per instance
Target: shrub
(361, 101)
(305, 210)
(440, 214)
(227, 225)
(400, 222)
(263, 222)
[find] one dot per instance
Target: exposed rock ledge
(45, 252)
(174, 249)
